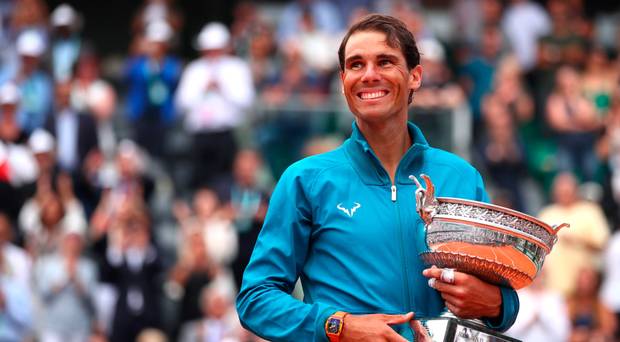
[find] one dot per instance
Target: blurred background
(140, 141)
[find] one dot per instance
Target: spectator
(45, 216)
(219, 321)
(474, 17)
(578, 247)
(609, 294)
(591, 319)
(34, 83)
(315, 46)
(76, 143)
(246, 22)
(132, 179)
(10, 129)
(156, 10)
(152, 78)
(523, 39)
(248, 201)
(566, 43)
(102, 102)
(608, 151)
(572, 118)
(263, 57)
(28, 15)
(439, 90)
(65, 282)
(66, 41)
(502, 152)
(215, 93)
(15, 262)
(512, 94)
(133, 265)
(193, 270)
(16, 308)
(322, 14)
(20, 168)
(478, 72)
(543, 314)
(214, 222)
(86, 76)
(599, 80)
(42, 145)
(74, 132)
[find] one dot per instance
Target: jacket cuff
(508, 311)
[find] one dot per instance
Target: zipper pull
(393, 193)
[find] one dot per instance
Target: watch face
(333, 325)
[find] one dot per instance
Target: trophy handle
(426, 203)
(557, 228)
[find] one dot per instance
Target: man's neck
(389, 141)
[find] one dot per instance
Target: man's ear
(415, 79)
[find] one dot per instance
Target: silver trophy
(498, 245)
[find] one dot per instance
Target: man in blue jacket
(344, 222)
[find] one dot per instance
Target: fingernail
(431, 282)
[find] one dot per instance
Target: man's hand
(466, 296)
(375, 327)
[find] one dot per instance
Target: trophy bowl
(497, 244)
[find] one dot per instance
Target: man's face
(63, 95)
(376, 80)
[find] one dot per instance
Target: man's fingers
(399, 319)
(442, 287)
(421, 334)
(445, 275)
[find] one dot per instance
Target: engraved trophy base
(451, 329)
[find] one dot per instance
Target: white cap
(41, 141)
(9, 93)
(63, 15)
(30, 43)
(158, 31)
(431, 49)
(213, 36)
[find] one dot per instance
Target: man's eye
(355, 66)
(385, 62)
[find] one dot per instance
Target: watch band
(334, 326)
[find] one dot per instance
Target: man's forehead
(369, 43)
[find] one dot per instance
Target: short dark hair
(396, 33)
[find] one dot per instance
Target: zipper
(405, 268)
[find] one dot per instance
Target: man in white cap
(34, 83)
(18, 168)
(152, 78)
(66, 41)
(9, 108)
(215, 93)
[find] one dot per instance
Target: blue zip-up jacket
(336, 221)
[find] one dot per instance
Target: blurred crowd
(131, 195)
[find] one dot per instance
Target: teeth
(373, 95)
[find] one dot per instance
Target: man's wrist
(334, 326)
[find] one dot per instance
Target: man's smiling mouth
(371, 95)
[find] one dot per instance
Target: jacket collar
(368, 166)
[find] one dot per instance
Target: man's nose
(371, 73)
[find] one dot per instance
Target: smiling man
(344, 222)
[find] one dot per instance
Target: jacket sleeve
(510, 300)
(264, 304)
